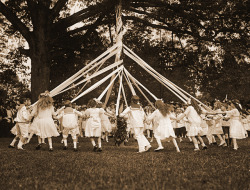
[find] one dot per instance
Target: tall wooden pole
(119, 36)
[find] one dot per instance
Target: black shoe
(75, 149)
(95, 148)
(51, 149)
(38, 146)
(11, 146)
(204, 148)
(99, 149)
(65, 148)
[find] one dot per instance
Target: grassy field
(123, 168)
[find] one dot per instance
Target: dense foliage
(199, 45)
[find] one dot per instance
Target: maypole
(119, 36)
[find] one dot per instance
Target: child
(44, 111)
(136, 118)
(111, 111)
(148, 126)
(217, 127)
(237, 130)
(22, 124)
(69, 123)
(82, 121)
(180, 127)
(226, 125)
(93, 125)
(106, 125)
(164, 129)
(192, 113)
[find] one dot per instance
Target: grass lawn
(122, 168)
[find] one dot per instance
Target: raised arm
(126, 111)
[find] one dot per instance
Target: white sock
(93, 142)
(20, 144)
(99, 142)
(13, 142)
(196, 146)
(39, 140)
(175, 144)
(50, 142)
(159, 142)
(65, 142)
(75, 143)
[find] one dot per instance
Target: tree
(41, 25)
(194, 27)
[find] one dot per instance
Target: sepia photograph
(124, 95)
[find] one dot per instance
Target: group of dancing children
(224, 120)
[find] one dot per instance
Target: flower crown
(45, 94)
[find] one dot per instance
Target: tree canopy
(199, 45)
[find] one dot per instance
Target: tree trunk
(40, 55)
(40, 76)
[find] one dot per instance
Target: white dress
(106, 125)
(246, 123)
(164, 128)
(84, 120)
(236, 130)
(204, 126)
(148, 126)
(45, 123)
(33, 126)
(194, 122)
(93, 124)
(173, 121)
(217, 125)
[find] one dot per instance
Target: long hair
(163, 108)
(44, 102)
(196, 106)
(91, 103)
(237, 105)
(217, 105)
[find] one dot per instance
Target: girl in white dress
(83, 120)
(225, 125)
(180, 126)
(246, 122)
(148, 126)
(33, 126)
(217, 125)
(192, 113)
(44, 111)
(236, 130)
(93, 125)
(111, 110)
(164, 128)
(106, 125)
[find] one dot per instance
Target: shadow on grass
(122, 167)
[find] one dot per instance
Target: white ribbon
(97, 84)
(140, 90)
(106, 89)
(128, 73)
(119, 96)
(154, 75)
(93, 75)
(130, 85)
(166, 80)
(65, 83)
